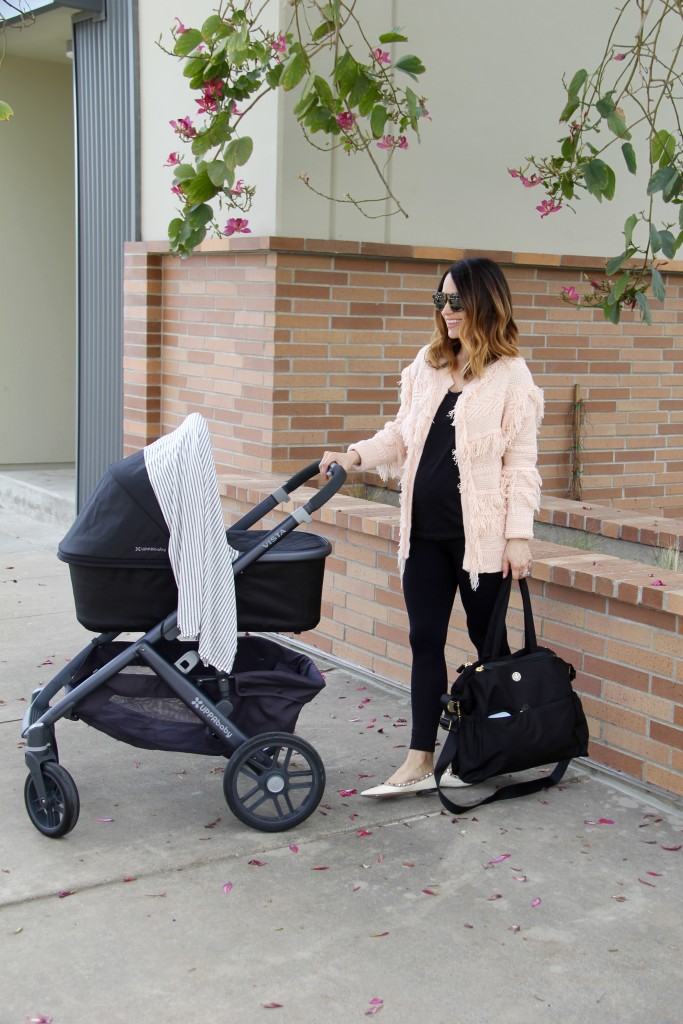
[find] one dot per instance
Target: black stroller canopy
(121, 524)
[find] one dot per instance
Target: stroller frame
(264, 782)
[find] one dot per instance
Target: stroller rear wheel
(274, 781)
(59, 813)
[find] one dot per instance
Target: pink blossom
(238, 188)
(279, 44)
(183, 128)
(346, 120)
(178, 190)
(181, 28)
(620, 56)
(527, 182)
(571, 294)
(381, 56)
(237, 226)
(548, 206)
(211, 93)
(402, 142)
(173, 159)
(423, 112)
(234, 110)
(389, 142)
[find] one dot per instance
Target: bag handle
(494, 634)
(505, 793)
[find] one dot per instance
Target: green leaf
(620, 286)
(612, 311)
(200, 188)
(569, 148)
(294, 70)
(378, 119)
(641, 299)
(680, 216)
(655, 239)
(199, 216)
(629, 156)
(393, 37)
(319, 119)
(217, 172)
(6, 111)
(673, 187)
(629, 227)
(412, 102)
(345, 73)
(187, 42)
(214, 28)
(661, 179)
(183, 172)
(323, 30)
(195, 66)
(605, 105)
(359, 90)
(662, 148)
(569, 108)
(658, 289)
(611, 185)
(617, 124)
(174, 229)
(322, 88)
(238, 152)
(614, 264)
(567, 187)
(669, 246)
(410, 65)
(577, 82)
(596, 177)
(274, 75)
(367, 103)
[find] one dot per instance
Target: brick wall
(289, 346)
(617, 621)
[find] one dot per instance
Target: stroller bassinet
(121, 576)
(154, 691)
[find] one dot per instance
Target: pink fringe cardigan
(496, 423)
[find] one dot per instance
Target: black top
(437, 510)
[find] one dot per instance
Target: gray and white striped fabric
(183, 477)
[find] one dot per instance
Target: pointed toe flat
(450, 781)
(388, 789)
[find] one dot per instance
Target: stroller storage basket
(268, 687)
(121, 576)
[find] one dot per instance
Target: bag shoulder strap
(505, 793)
(494, 633)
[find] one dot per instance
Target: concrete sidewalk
(368, 907)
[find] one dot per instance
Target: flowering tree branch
(26, 18)
(231, 62)
(636, 86)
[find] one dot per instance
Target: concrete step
(46, 493)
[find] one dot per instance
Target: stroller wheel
(59, 813)
(274, 781)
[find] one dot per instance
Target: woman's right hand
(347, 460)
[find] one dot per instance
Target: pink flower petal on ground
(378, 935)
(271, 1006)
(498, 860)
(514, 928)
(408, 864)
(672, 848)
(373, 1010)
(352, 817)
(589, 821)
(294, 848)
(257, 863)
(605, 821)
(651, 884)
(430, 892)
(536, 902)
(376, 1001)
(364, 832)
(381, 858)
(659, 583)
(496, 896)
(320, 869)
(66, 892)
(468, 926)
(655, 874)
(519, 878)
(227, 888)
(40, 1019)
(130, 878)
(104, 819)
(347, 792)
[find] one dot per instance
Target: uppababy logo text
(162, 550)
(199, 704)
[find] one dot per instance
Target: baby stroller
(158, 691)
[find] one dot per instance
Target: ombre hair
(489, 330)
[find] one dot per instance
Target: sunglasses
(452, 298)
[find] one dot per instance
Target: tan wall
(289, 346)
(37, 265)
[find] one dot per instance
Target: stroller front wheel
(58, 814)
(274, 781)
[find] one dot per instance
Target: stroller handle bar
(302, 514)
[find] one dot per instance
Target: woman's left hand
(516, 559)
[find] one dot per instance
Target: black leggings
(432, 576)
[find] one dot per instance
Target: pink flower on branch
(571, 294)
(211, 93)
(527, 182)
(238, 188)
(620, 56)
(237, 226)
(181, 28)
(178, 190)
(279, 45)
(346, 120)
(389, 142)
(183, 128)
(548, 206)
(423, 112)
(173, 159)
(381, 56)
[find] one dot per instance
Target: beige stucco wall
(494, 91)
(37, 265)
